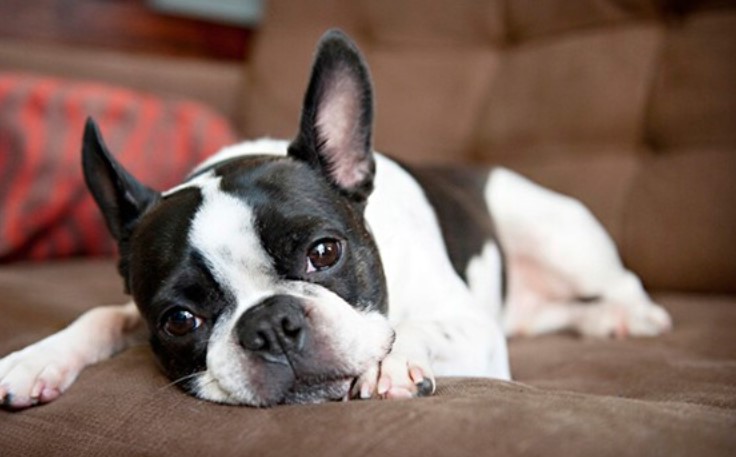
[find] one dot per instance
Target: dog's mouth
(319, 389)
(300, 389)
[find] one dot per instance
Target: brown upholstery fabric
(674, 395)
(629, 106)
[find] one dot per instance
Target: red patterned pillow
(45, 209)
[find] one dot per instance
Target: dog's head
(258, 277)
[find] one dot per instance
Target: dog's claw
(15, 402)
(425, 387)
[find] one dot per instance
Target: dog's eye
(323, 254)
(179, 322)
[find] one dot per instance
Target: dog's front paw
(37, 374)
(396, 377)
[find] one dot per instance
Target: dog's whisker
(183, 379)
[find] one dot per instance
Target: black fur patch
(456, 194)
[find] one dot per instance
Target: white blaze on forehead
(224, 233)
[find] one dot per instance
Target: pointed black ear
(335, 132)
(120, 197)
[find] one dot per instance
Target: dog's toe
(395, 378)
(365, 386)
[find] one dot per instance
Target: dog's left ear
(335, 132)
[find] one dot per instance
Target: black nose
(273, 328)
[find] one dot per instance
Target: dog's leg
(598, 319)
(42, 371)
(453, 346)
(564, 269)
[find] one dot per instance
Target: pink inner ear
(338, 124)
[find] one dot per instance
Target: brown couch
(628, 105)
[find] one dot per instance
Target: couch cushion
(694, 364)
(672, 395)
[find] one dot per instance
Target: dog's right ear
(120, 197)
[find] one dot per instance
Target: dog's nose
(273, 328)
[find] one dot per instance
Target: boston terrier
(317, 269)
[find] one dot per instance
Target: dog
(318, 270)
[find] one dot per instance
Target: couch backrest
(628, 105)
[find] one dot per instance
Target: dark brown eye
(179, 322)
(323, 254)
